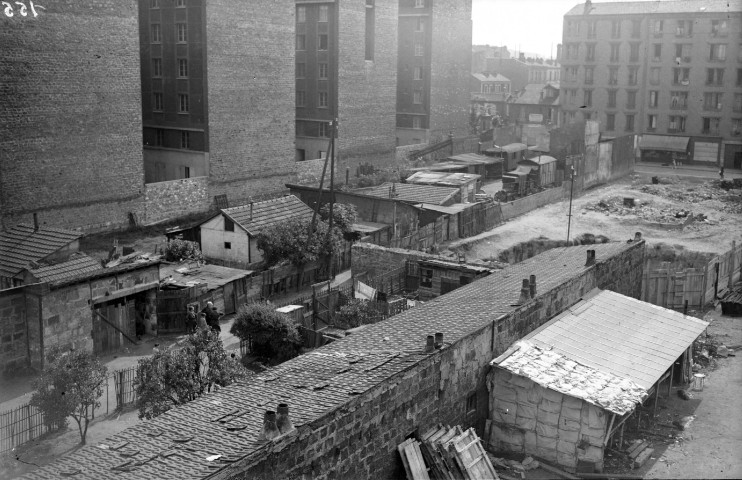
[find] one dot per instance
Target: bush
(355, 313)
(273, 334)
(178, 250)
(289, 241)
(344, 216)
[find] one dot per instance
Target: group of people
(208, 318)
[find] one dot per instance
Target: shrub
(178, 250)
(355, 313)
(272, 333)
(290, 242)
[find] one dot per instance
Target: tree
(176, 376)
(343, 216)
(178, 250)
(290, 242)
(70, 385)
(273, 334)
(357, 312)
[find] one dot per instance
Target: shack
(487, 167)
(468, 184)
(543, 169)
(566, 389)
(438, 276)
(515, 182)
(510, 154)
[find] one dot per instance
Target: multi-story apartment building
(524, 71)
(484, 57)
(217, 88)
(670, 71)
(346, 59)
(433, 69)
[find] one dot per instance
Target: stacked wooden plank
(447, 454)
(639, 451)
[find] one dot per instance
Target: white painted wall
(213, 237)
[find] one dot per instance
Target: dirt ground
(655, 205)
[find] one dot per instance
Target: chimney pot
(270, 429)
(525, 292)
(35, 222)
(638, 236)
(590, 258)
(438, 340)
(430, 344)
(532, 286)
(283, 422)
(251, 211)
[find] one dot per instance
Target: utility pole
(333, 133)
(571, 191)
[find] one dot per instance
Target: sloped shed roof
(270, 212)
(79, 264)
(22, 244)
(412, 193)
(442, 178)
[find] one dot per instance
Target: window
(324, 129)
(156, 33)
(739, 53)
(739, 77)
(301, 70)
(615, 49)
(633, 75)
(587, 98)
(590, 52)
(180, 3)
(156, 67)
(737, 106)
(717, 52)
(182, 29)
(719, 28)
(592, 28)
(417, 74)
(616, 29)
(301, 42)
(710, 125)
(712, 100)
(571, 96)
(636, 28)
(571, 51)
(679, 100)
(736, 127)
(634, 52)
(416, 122)
(324, 11)
(682, 52)
(657, 52)
(629, 126)
(183, 103)
(715, 76)
(612, 98)
(157, 101)
(228, 245)
(154, 3)
(610, 122)
(426, 277)
(417, 97)
(159, 137)
(418, 49)
(301, 98)
(676, 124)
(680, 76)
(420, 25)
(654, 96)
(612, 75)
(185, 139)
(589, 75)
(654, 75)
(684, 28)
(323, 70)
(571, 74)
(228, 225)
(651, 122)
(658, 27)
(301, 14)
(182, 67)
(631, 99)
(323, 41)
(419, 3)
(322, 99)
(370, 29)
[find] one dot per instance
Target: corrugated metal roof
(214, 276)
(442, 178)
(664, 7)
(412, 193)
(559, 372)
(539, 160)
(620, 335)
(369, 227)
(78, 264)
(452, 209)
(21, 245)
(472, 159)
(269, 212)
(510, 148)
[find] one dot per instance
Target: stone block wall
(176, 198)
(359, 440)
(13, 338)
(376, 260)
(250, 69)
(531, 202)
(71, 127)
(67, 319)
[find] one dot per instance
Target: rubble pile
(724, 195)
(646, 210)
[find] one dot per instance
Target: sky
(533, 26)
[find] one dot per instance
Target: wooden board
(472, 457)
(401, 448)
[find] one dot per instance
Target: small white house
(230, 236)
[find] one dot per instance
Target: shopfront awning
(664, 142)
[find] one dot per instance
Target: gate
(113, 325)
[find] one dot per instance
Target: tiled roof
(316, 383)
(269, 212)
(21, 245)
(488, 77)
(669, 6)
(78, 264)
(559, 372)
(412, 193)
(620, 335)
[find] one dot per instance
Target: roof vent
(590, 258)
(638, 237)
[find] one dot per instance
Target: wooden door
(229, 300)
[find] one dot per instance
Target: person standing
(191, 320)
(721, 172)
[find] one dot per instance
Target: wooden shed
(543, 169)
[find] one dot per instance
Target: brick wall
(359, 440)
(367, 90)
(71, 128)
(177, 198)
(250, 61)
(450, 67)
(13, 340)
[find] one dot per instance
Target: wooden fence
(698, 286)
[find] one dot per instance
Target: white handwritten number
(8, 9)
(23, 8)
(33, 9)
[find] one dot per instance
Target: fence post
(731, 267)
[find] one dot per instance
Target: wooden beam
(115, 327)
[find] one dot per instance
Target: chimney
(590, 258)
(439, 340)
(430, 344)
(251, 203)
(283, 422)
(638, 237)
(525, 292)
(270, 429)
(35, 222)
(532, 286)
(588, 6)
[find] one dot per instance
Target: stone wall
(531, 202)
(359, 440)
(176, 198)
(71, 128)
(376, 260)
(13, 339)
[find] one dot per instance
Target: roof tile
(22, 244)
(259, 215)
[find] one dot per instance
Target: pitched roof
(488, 77)
(78, 264)
(620, 335)
(259, 215)
(559, 372)
(412, 193)
(664, 7)
(22, 244)
(317, 383)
